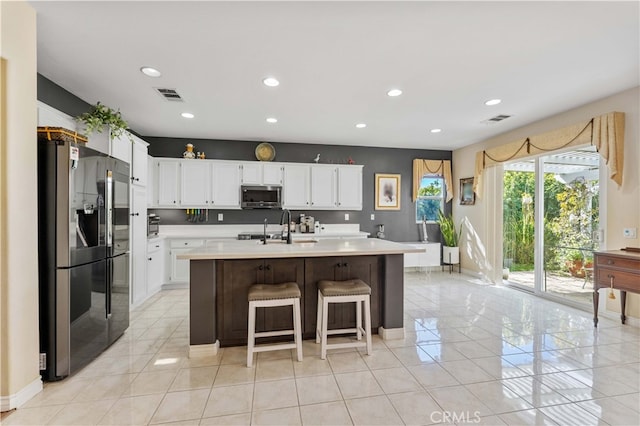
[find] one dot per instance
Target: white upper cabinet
(152, 182)
(251, 173)
(168, 179)
(257, 173)
(272, 174)
(121, 147)
(215, 184)
(195, 178)
(139, 162)
(225, 185)
(349, 186)
(295, 186)
(323, 187)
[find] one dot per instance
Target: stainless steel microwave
(261, 197)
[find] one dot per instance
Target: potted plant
(450, 238)
(101, 116)
(575, 264)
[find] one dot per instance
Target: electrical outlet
(373, 216)
(220, 217)
(630, 233)
(346, 216)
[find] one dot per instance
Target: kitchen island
(221, 274)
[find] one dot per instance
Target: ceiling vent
(496, 119)
(169, 94)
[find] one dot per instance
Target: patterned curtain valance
(434, 167)
(605, 132)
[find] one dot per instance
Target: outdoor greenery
(570, 218)
(430, 199)
(100, 116)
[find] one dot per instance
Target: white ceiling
(336, 61)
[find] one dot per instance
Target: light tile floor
(473, 353)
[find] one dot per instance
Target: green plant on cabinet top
(100, 116)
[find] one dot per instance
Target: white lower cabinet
(180, 267)
(430, 257)
(138, 245)
(155, 266)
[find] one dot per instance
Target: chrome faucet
(264, 239)
(287, 213)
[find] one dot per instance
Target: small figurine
(350, 161)
(189, 154)
(317, 159)
(200, 155)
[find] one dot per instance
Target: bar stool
(270, 295)
(343, 292)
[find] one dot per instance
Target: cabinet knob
(157, 246)
(345, 264)
(186, 244)
(268, 267)
(150, 259)
(338, 265)
(137, 179)
(174, 201)
(261, 267)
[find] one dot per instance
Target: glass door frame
(539, 270)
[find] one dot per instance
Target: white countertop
(252, 249)
(232, 231)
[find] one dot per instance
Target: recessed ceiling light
(394, 92)
(271, 82)
(151, 72)
(187, 115)
(272, 120)
(361, 125)
(436, 130)
(492, 102)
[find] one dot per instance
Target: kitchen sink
(285, 241)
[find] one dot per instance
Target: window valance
(435, 167)
(605, 132)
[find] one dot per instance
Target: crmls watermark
(455, 417)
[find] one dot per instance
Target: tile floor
(473, 354)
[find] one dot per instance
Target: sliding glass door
(548, 244)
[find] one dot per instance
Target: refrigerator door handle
(109, 289)
(109, 207)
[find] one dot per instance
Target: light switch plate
(630, 232)
(220, 217)
(346, 216)
(373, 216)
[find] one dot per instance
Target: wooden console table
(618, 269)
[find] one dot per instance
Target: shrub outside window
(430, 198)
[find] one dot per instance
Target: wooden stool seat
(343, 292)
(270, 295)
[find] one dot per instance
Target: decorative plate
(265, 152)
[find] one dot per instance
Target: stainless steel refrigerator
(83, 226)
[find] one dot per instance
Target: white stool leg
(367, 320)
(359, 320)
(251, 333)
(319, 317)
(325, 315)
(296, 328)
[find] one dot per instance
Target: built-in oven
(153, 225)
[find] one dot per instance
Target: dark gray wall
(399, 225)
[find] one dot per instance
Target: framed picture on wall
(387, 192)
(467, 196)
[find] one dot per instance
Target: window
(430, 198)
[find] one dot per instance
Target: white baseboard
(197, 351)
(16, 400)
(174, 286)
(391, 333)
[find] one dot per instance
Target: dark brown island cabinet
(234, 277)
(616, 269)
(220, 277)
